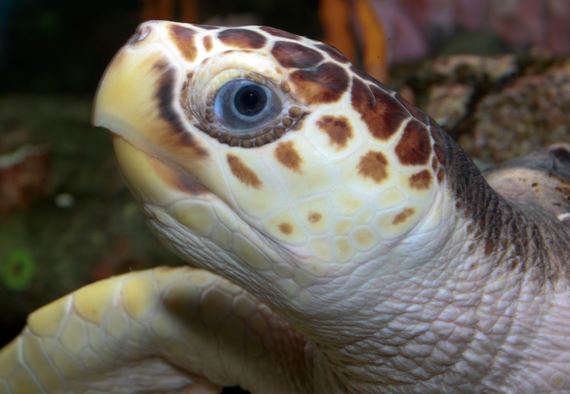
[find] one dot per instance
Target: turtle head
(253, 149)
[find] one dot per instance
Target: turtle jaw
(152, 180)
(201, 227)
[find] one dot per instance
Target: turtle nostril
(141, 33)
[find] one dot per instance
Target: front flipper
(161, 330)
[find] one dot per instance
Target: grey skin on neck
(489, 313)
(539, 242)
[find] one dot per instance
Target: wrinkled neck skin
(485, 306)
(477, 304)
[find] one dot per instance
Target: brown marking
(322, 84)
(288, 156)
(280, 33)
(165, 102)
(314, 217)
(242, 38)
(373, 165)
(183, 37)
(286, 228)
(381, 113)
(293, 55)
(421, 180)
(412, 109)
(333, 52)
(242, 172)
(440, 175)
(414, 146)
(337, 128)
(207, 42)
(402, 216)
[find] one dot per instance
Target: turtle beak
(126, 104)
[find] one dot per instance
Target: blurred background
(495, 74)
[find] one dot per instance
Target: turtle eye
(243, 106)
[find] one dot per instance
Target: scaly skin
(162, 330)
(351, 215)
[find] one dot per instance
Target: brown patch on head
(381, 113)
(373, 165)
(294, 55)
(322, 84)
(280, 33)
(402, 216)
(337, 128)
(421, 180)
(288, 156)
(207, 42)
(412, 109)
(183, 37)
(414, 146)
(165, 102)
(286, 228)
(334, 53)
(242, 172)
(314, 217)
(242, 38)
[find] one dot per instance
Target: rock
(532, 112)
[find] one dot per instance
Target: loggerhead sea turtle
(345, 242)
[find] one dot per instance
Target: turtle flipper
(541, 178)
(161, 330)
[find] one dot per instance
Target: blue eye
(243, 106)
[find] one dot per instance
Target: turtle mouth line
(154, 179)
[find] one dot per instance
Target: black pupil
(250, 100)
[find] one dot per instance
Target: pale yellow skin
(163, 330)
(389, 290)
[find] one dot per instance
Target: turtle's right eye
(243, 106)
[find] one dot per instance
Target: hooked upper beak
(126, 104)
